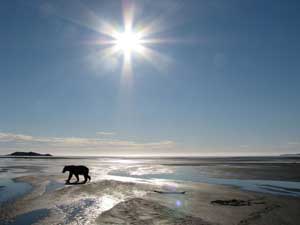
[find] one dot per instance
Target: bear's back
(79, 169)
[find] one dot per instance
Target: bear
(77, 170)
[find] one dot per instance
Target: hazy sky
(223, 78)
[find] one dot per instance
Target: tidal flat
(256, 190)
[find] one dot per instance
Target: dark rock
(232, 202)
(169, 192)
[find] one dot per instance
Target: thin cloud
(77, 143)
(8, 137)
(103, 133)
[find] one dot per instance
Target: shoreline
(255, 158)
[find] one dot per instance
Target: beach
(152, 191)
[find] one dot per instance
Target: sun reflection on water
(107, 202)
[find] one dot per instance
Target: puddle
(29, 218)
(10, 190)
(53, 186)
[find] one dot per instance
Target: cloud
(8, 137)
(71, 144)
(103, 133)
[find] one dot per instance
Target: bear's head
(66, 168)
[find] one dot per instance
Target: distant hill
(28, 154)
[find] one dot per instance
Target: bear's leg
(77, 177)
(69, 178)
(85, 178)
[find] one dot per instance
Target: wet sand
(133, 201)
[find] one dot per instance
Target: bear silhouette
(77, 170)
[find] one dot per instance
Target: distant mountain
(28, 154)
(291, 155)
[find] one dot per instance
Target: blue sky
(227, 82)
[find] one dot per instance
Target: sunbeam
(129, 40)
(135, 38)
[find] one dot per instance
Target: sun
(133, 38)
(128, 42)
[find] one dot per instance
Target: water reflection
(10, 189)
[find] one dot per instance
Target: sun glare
(133, 39)
(128, 42)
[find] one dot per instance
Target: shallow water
(29, 218)
(195, 174)
(269, 175)
(11, 190)
(54, 185)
